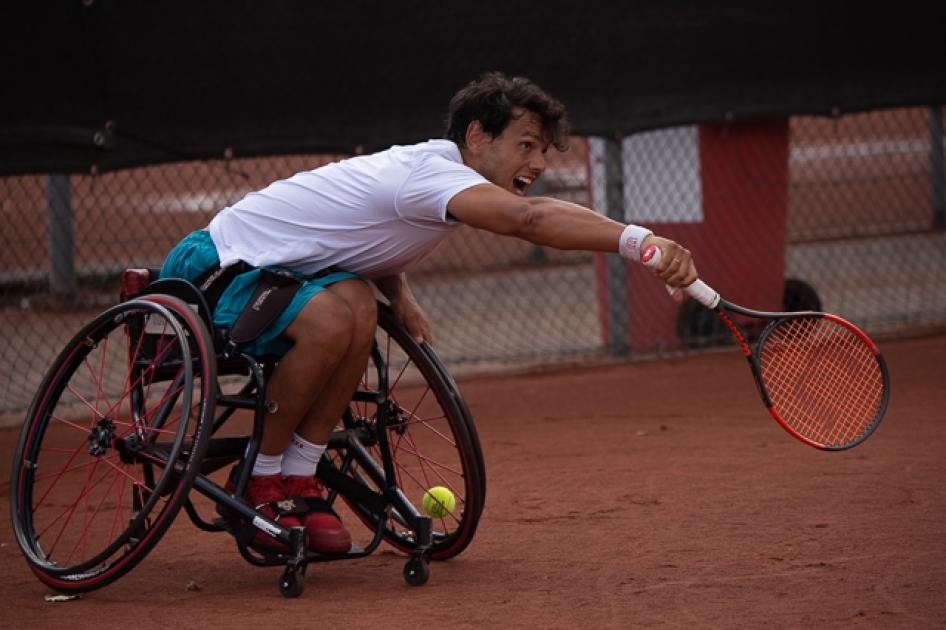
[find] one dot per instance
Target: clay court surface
(656, 494)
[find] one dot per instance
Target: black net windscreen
(795, 148)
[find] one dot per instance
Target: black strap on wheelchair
(298, 506)
(213, 282)
(270, 298)
(272, 295)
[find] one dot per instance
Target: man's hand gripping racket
(819, 376)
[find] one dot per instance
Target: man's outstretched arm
(563, 225)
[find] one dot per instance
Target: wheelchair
(135, 415)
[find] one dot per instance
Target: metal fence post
(62, 277)
(618, 322)
(936, 167)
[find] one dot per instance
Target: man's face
(515, 159)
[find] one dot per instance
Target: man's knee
(366, 312)
(324, 320)
(360, 299)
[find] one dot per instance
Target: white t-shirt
(374, 215)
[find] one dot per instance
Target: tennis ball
(438, 501)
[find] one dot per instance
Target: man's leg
(316, 378)
(352, 307)
(335, 396)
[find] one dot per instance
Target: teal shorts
(196, 253)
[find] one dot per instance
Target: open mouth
(521, 185)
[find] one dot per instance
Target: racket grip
(699, 290)
(703, 293)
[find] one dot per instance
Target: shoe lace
(263, 490)
(303, 486)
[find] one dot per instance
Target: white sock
(267, 465)
(301, 457)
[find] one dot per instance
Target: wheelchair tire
(432, 442)
(92, 490)
(467, 417)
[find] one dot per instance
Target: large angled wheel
(431, 437)
(112, 443)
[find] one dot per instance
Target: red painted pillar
(738, 243)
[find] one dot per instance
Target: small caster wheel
(416, 571)
(291, 584)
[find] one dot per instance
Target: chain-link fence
(844, 214)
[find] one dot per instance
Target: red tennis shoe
(325, 531)
(263, 492)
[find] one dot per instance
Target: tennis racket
(820, 377)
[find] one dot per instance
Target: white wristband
(631, 239)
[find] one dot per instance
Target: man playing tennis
(373, 218)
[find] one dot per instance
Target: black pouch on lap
(269, 300)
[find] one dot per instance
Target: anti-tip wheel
(416, 571)
(291, 584)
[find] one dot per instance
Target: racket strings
(822, 379)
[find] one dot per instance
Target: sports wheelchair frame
(134, 413)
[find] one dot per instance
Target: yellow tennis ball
(438, 501)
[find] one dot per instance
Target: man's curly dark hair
(492, 99)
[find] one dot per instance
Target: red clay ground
(640, 495)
